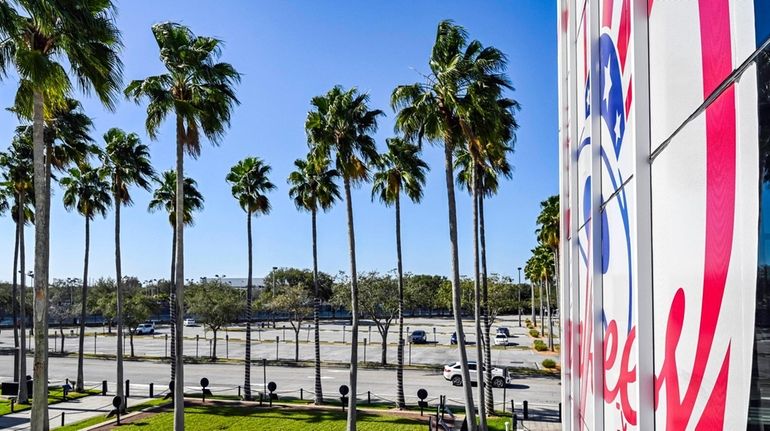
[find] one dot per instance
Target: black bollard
(152, 394)
(559, 412)
(239, 391)
(301, 394)
(368, 397)
(62, 418)
(128, 387)
(526, 410)
(13, 400)
(515, 422)
(513, 407)
(104, 387)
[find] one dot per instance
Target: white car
(190, 322)
(453, 373)
(145, 329)
(501, 339)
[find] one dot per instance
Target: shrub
(549, 363)
(534, 333)
(540, 346)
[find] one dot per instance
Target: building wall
(660, 174)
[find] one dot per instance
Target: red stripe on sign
(720, 215)
(607, 13)
(624, 32)
(629, 95)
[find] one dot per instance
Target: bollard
(197, 338)
(152, 390)
(364, 350)
(260, 399)
(526, 410)
(284, 334)
(62, 418)
(104, 387)
(166, 350)
(12, 402)
(368, 397)
(513, 407)
(559, 412)
(128, 386)
(277, 340)
(94, 342)
(515, 422)
(301, 394)
(239, 391)
(343, 334)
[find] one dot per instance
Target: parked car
(453, 373)
(501, 339)
(504, 330)
(418, 337)
(145, 329)
(190, 322)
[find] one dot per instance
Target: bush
(540, 346)
(549, 363)
(534, 333)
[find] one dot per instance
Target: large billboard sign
(664, 167)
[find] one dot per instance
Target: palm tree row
(541, 267)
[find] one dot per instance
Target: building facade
(664, 110)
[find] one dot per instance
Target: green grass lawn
(101, 418)
(54, 396)
(234, 417)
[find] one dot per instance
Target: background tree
(200, 92)
(63, 294)
(164, 198)
(421, 291)
(138, 305)
(548, 235)
(380, 305)
(250, 185)
(41, 36)
(340, 123)
(127, 163)
(102, 300)
(301, 277)
(399, 169)
(296, 304)
(313, 188)
(216, 305)
(86, 189)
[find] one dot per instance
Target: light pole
(273, 292)
(518, 291)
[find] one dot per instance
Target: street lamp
(518, 291)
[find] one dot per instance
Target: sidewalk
(74, 411)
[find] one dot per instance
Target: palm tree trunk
(456, 289)
(401, 400)
(249, 298)
(351, 424)
(542, 322)
(119, 294)
(39, 417)
(548, 308)
(316, 315)
(179, 279)
(172, 306)
(23, 396)
(489, 396)
(477, 306)
(84, 292)
(532, 295)
(15, 298)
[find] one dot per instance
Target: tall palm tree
(164, 198)
(127, 162)
(18, 181)
(400, 170)
(438, 110)
(200, 92)
(313, 188)
(480, 167)
(341, 123)
(41, 38)
(532, 273)
(548, 234)
(249, 183)
(86, 190)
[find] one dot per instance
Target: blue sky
(289, 52)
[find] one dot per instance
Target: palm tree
(40, 38)
(127, 162)
(313, 188)
(438, 110)
(548, 235)
(481, 165)
(400, 169)
(531, 273)
(340, 123)
(199, 91)
(250, 184)
(164, 198)
(86, 190)
(18, 181)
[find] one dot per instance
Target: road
(539, 391)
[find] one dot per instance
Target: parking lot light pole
(518, 290)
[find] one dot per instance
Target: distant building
(257, 282)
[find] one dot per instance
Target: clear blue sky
(289, 52)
